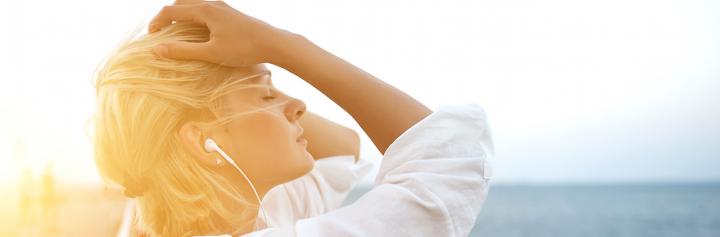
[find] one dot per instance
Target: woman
(204, 79)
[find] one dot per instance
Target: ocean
(597, 210)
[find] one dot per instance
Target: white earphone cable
(229, 160)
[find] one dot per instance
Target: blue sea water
(598, 210)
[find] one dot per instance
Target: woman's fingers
(235, 40)
(184, 12)
(185, 50)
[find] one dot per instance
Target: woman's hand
(236, 39)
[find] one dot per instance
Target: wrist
(284, 48)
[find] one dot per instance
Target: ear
(192, 138)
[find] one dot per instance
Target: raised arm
(236, 39)
(383, 111)
(327, 138)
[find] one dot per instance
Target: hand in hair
(236, 39)
(383, 111)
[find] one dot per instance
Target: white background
(576, 91)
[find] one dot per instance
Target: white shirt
(321, 190)
(433, 181)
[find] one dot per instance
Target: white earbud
(211, 146)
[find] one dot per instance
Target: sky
(575, 91)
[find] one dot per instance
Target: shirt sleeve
(322, 190)
(433, 181)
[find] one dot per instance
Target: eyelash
(266, 97)
(271, 98)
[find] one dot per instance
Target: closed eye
(269, 98)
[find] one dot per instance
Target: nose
(294, 109)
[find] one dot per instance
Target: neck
(248, 224)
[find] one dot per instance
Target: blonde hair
(142, 100)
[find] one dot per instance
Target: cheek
(263, 136)
(265, 146)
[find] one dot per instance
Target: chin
(311, 164)
(302, 167)
(308, 164)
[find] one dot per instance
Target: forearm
(327, 138)
(383, 111)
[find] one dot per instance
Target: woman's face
(265, 144)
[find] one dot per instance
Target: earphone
(211, 146)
